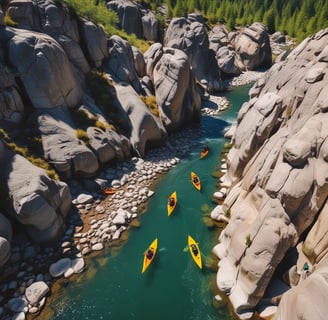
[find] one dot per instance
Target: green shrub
(248, 241)
(34, 144)
(98, 14)
(103, 126)
(17, 149)
(4, 135)
(150, 102)
(26, 153)
(82, 117)
(9, 21)
(227, 146)
(228, 214)
(101, 90)
(52, 174)
(82, 135)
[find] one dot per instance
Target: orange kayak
(203, 153)
(108, 190)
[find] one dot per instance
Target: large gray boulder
(46, 16)
(36, 291)
(61, 146)
(129, 16)
(104, 141)
(175, 88)
(120, 63)
(11, 103)
(95, 42)
(223, 49)
(218, 38)
(253, 48)
(149, 27)
(151, 57)
(145, 128)
(84, 42)
(135, 18)
(277, 175)
(38, 202)
(139, 62)
(108, 145)
(34, 54)
(226, 61)
(75, 54)
(53, 19)
(257, 120)
(190, 36)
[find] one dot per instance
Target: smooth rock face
(62, 147)
(150, 27)
(120, 62)
(190, 36)
(135, 18)
(40, 54)
(96, 42)
(253, 48)
(38, 202)
(47, 16)
(54, 20)
(176, 93)
(145, 128)
(277, 170)
(129, 16)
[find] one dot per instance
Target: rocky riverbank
(96, 221)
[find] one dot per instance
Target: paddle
(186, 248)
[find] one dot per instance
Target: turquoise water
(173, 287)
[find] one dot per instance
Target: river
(173, 287)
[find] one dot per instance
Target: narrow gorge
(76, 102)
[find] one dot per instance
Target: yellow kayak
(171, 203)
(194, 251)
(149, 255)
(195, 181)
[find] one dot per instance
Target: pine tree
(293, 17)
(269, 21)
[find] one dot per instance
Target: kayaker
(194, 249)
(149, 254)
(195, 180)
(171, 202)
